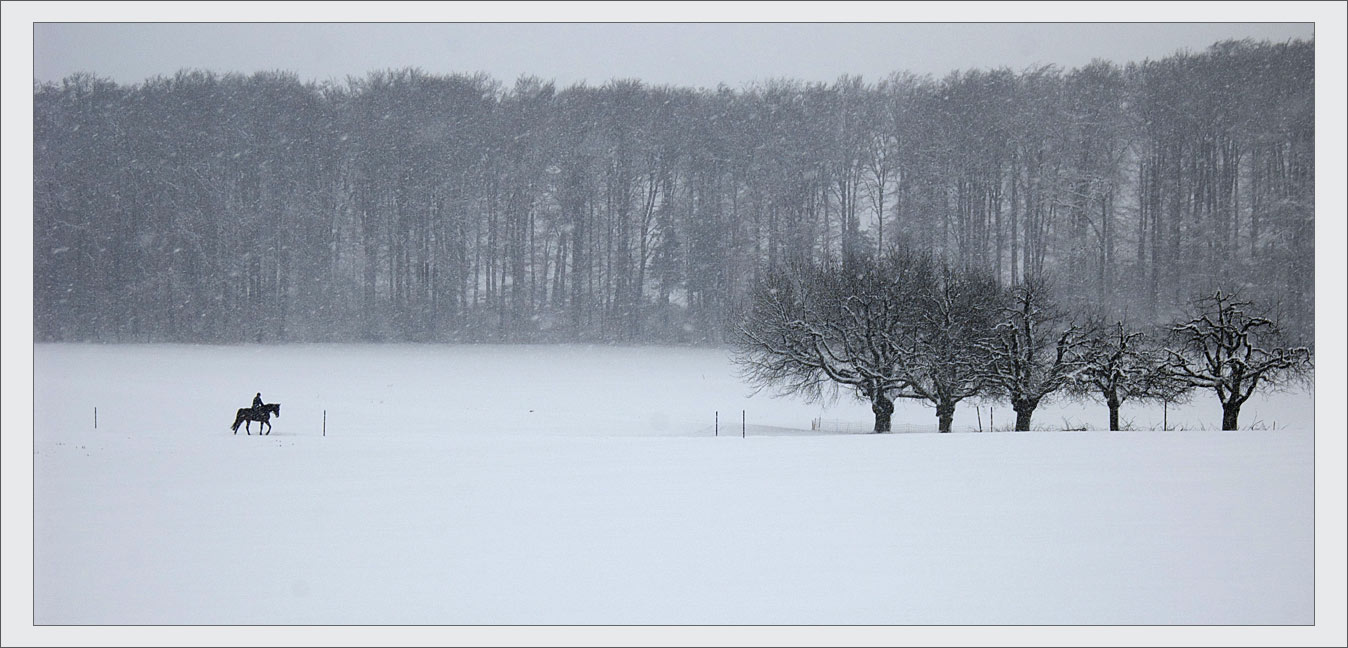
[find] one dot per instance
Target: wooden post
(717, 424)
(325, 422)
(979, 412)
(95, 418)
(743, 434)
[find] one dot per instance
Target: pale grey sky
(681, 54)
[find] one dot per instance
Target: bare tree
(949, 340)
(1121, 364)
(833, 326)
(1231, 351)
(1037, 350)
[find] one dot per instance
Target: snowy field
(522, 485)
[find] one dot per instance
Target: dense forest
(408, 206)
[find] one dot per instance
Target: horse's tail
(238, 418)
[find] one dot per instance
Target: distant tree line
(408, 206)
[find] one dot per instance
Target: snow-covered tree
(949, 340)
(816, 329)
(1231, 350)
(1121, 363)
(1036, 351)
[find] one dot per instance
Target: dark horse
(259, 414)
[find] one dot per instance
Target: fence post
(717, 424)
(743, 434)
(95, 418)
(325, 422)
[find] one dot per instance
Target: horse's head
(276, 409)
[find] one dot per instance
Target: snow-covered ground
(465, 485)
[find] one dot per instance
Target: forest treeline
(416, 207)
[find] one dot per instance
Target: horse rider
(257, 402)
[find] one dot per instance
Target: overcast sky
(681, 54)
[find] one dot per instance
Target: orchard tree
(949, 340)
(1036, 351)
(813, 330)
(1231, 350)
(1119, 364)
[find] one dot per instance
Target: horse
(259, 414)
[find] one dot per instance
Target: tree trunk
(883, 407)
(1024, 410)
(1230, 412)
(945, 413)
(1113, 413)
